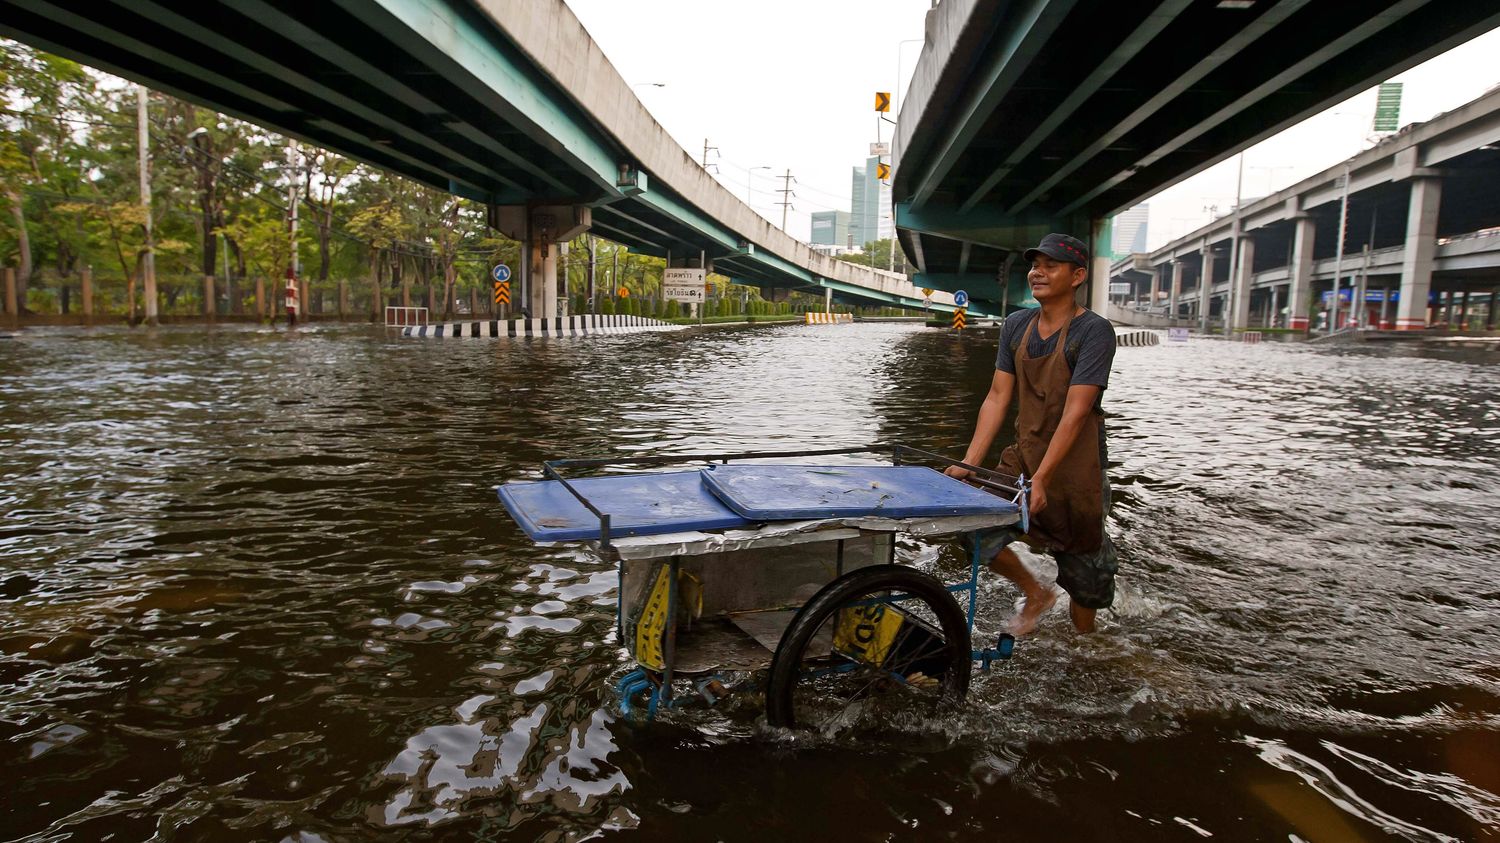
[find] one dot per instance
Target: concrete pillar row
(1299, 292)
(1421, 249)
(1239, 287)
(1155, 284)
(1176, 291)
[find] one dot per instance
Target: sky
(782, 85)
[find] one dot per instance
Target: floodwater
(256, 585)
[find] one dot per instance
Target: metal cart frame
(641, 679)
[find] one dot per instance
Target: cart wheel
(875, 648)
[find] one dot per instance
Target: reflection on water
(256, 586)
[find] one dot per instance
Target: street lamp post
(896, 91)
(750, 184)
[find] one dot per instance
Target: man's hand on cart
(958, 472)
(1038, 496)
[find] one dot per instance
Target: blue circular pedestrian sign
(501, 272)
(960, 299)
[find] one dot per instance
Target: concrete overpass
(507, 102)
(1025, 117)
(1423, 239)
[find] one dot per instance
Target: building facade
(870, 216)
(830, 228)
(1129, 234)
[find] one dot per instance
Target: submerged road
(256, 585)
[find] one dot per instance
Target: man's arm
(991, 416)
(1080, 403)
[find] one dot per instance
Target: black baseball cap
(1060, 247)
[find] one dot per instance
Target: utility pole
(293, 299)
(706, 150)
(593, 290)
(1357, 303)
(1232, 301)
(1338, 260)
(143, 142)
(787, 194)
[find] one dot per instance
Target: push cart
(764, 570)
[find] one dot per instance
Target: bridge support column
(1299, 292)
(1421, 248)
(1098, 280)
(1176, 287)
(1489, 315)
(1239, 288)
(1155, 285)
(542, 230)
(542, 257)
(1205, 287)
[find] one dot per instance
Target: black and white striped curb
(1137, 338)
(560, 326)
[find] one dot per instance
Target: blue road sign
(501, 272)
(961, 299)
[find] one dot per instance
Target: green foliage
(877, 254)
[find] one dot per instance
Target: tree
(40, 152)
(877, 255)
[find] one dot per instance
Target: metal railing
(401, 317)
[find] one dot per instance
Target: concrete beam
(1031, 27)
(1060, 112)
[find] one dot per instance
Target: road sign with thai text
(881, 148)
(682, 284)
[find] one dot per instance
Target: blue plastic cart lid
(638, 505)
(794, 492)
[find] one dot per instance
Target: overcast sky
(787, 84)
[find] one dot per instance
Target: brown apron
(1073, 520)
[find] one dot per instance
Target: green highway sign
(1388, 107)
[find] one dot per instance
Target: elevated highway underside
(507, 102)
(1052, 115)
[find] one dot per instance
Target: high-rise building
(830, 228)
(870, 217)
(1130, 230)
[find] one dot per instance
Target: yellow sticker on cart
(866, 633)
(651, 627)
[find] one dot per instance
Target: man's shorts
(1088, 578)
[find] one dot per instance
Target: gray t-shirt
(1090, 351)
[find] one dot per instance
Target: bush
(607, 306)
